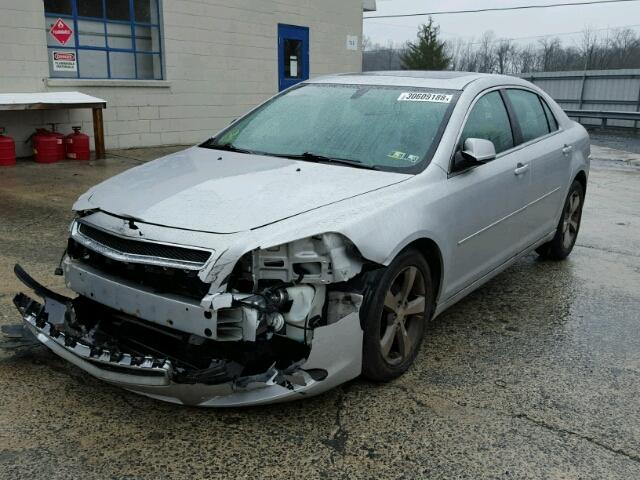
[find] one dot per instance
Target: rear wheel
(562, 243)
(396, 314)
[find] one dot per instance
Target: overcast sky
(511, 24)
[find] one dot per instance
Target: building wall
(220, 60)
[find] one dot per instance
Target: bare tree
(487, 58)
(366, 43)
(455, 51)
(504, 51)
(588, 46)
(549, 52)
(616, 49)
(526, 59)
(624, 44)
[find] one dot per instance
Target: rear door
(543, 148)
(487, 200)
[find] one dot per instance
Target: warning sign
(61, 32)
(64, 62)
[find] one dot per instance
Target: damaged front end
(283, 324)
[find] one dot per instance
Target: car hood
(224, 192)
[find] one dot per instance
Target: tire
(566, 235)
(397, 306)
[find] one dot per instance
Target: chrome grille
(144, 249)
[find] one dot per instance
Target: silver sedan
(311, 241)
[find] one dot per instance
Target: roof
(408, 78)
(43, 100)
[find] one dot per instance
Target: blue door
(293, 55)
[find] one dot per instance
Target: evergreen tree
(428, 52)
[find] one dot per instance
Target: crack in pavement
(522, 416)
(338, 439)
(561, 431)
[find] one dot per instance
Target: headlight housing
(317, 260)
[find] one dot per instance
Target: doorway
(293, 55)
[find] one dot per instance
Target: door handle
(566, 150)
(521, 168)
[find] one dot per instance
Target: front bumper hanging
(337, 349)
(121, 368)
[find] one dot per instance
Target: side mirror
(475, 151)
(479, 150)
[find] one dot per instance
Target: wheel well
(582, 178)
(433, 256)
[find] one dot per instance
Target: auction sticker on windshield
(425, 97)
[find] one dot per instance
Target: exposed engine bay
(145, 319)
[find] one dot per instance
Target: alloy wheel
(403, 311)
(571, 220)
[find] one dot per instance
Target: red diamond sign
(61, 32)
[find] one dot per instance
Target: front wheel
(566, 235)
(396, 312)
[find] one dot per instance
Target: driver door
(488, 199)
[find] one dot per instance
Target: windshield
(388, 128)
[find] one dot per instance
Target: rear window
(531, 117)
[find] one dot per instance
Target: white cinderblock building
(171, 71)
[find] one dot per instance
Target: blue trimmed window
(117, 39)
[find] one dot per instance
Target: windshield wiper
(227, 147)
(313, 157)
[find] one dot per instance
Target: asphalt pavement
(535, 375)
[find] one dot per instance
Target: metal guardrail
(605, 115)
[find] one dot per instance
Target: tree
(487, 53)
(550, 49)
(588, 46)
(428, 52)
(504, 52)
(619, 48)
(526, 59)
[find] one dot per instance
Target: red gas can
(78, 145)
(7, 150)
(45, 146)
(60, 146)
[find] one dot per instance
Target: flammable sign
(64, 61)
(61, 32)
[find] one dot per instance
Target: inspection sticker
(425, 97)
(397, 155)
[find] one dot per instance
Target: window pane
(531, 118)
(51, 41)
(552, 120)
(144, 42)
(91, 33)
(489, 120)
(62, 7)
(119, 36)
(92, 64)
(292, 58)
(118, 10)
(122, 65)
(90, 8)
(147, 39)
(149, 66)
(145, 11)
